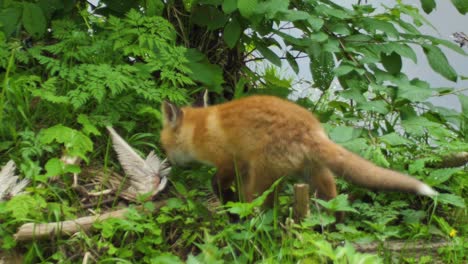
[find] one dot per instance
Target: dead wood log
(451, 161)
(31, 231)
(408, 246)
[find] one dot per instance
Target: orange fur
(264, 138)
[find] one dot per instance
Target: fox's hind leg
(322, 182)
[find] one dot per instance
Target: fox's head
(175, 135)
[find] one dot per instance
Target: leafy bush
(69, 68)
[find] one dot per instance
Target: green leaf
(385, 27)
(154, 7)
(88, 127)
(380, 107)
(76, 143)
(440, 176)
(229, 6)
(428, 5)
(25, 206)
(247, 7)
(343, 134)
(9, 18)
(294, 15)
(319, 37)
(404, 50)
(343, 69)
(232, 33)
(461, 5)
(452, 199)
(269, 54)
(209, 16)
(392, 62)
(34, 20)
(292, 62)
(414, 93)
(393, 139)
(315, 23)
(207, 73)
(339, 203)
(439, 62)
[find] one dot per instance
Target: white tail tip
(427, 191)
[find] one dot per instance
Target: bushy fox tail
(355, 169)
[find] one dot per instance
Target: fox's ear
(201, 100)
(172, 115)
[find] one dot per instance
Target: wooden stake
(301, 201)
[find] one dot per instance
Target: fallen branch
(412, 246)
(31, 231)
(451, 161)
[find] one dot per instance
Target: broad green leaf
(56, 167)
(380, 107)
(440, 176)
(34, 20)
(9, 18)
(294, 15)
(393, 139)
(437, 41)
(385, 27)
(271, 8)
(339, 203)
(232, 32)
(315, 23)
(461, 5)
(414, 93)
(269, 54)
(342, 134)
(229, 6)
(209, 16)
(354, 94)
(319, 37)
(428, 5)
(333, 12)
(332, 45)
(209, 74)
(292, 62)
(247, 7)
(452, 199)
(290, 40)
(154, 7)
(392, 62)
(439, 62)
(404, 50)
(343, 69)
(340, 28)
(419, 126)
(75, 142)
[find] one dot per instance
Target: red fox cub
(262, 138)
